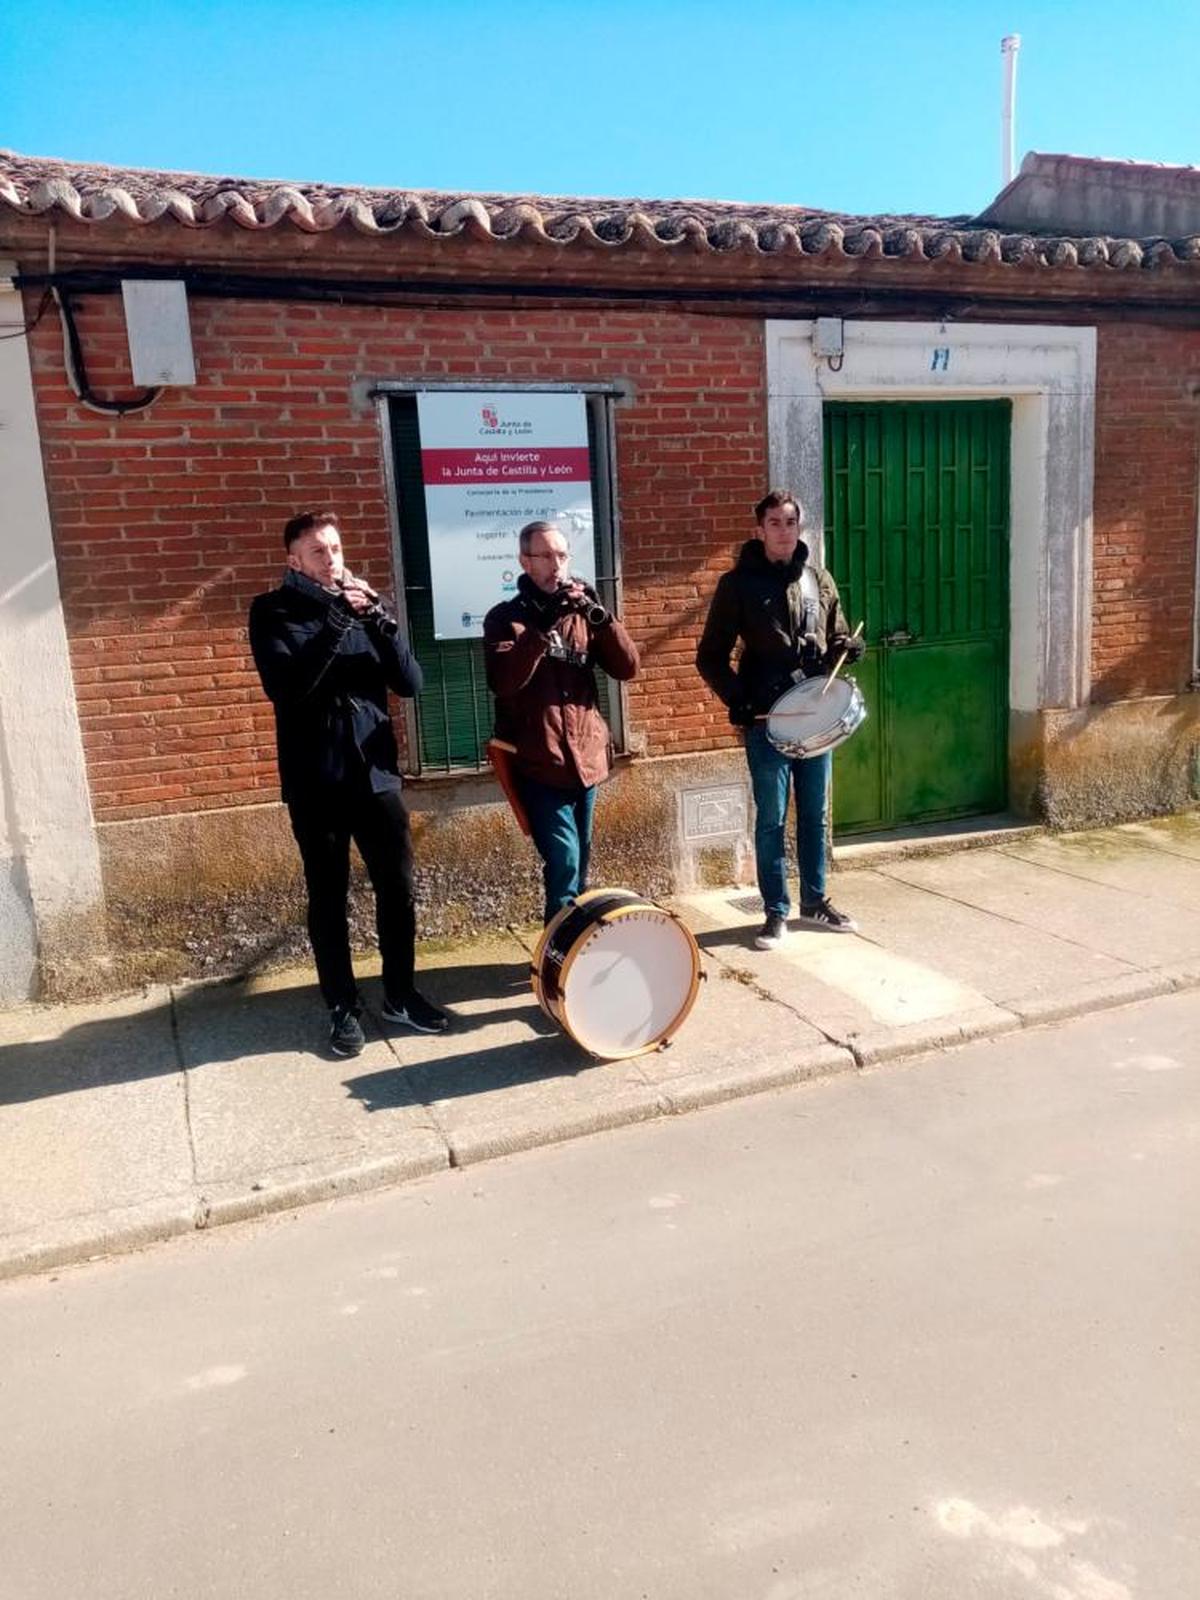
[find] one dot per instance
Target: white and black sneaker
(820, 914)
(346, 1037)
(414, 1011)
(772, 933)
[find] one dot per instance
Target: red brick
(168, 523)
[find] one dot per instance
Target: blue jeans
(770, 774)
(560, 821)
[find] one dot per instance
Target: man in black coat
(786, 613)
(328, 651)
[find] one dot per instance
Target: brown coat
(547, 707)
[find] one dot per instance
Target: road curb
(505, 1138)
(72, 1240)
(234, 1202)
(1102, 995)
(79, 1239)
(739, 1083)
(941, 1033)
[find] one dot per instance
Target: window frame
(601, 400)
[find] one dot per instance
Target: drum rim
(835, 732)
(661, 1038)
(680, 1016)
(840, 685)
(557, 920)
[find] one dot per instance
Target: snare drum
(616, 972)
(815, 715)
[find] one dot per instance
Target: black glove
(741, 714)
(551, 608)
(341, 614)
(855, 648)
(381, 620)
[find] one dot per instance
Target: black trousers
(378, 823)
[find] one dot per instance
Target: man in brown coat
(541, 648)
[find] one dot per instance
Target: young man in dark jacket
(787, 614)
(327, 652)
(540, 649)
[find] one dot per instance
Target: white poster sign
(490, 463)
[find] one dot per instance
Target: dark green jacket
(760, 602)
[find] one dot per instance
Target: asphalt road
(927, 1331)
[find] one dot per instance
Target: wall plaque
(720, 813)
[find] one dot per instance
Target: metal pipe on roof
(1009, 46)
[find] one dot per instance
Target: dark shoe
(820, 914)
(414, 1011)
(772, 933)
(346, 1037)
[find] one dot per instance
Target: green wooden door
(916, 530)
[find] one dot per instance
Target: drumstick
(841, 660)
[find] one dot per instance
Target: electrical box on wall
(160, 335)
(828, 337)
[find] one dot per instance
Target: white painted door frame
(1049, 374)
(51, 895)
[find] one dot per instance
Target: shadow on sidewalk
(545, 1054)
(96, 1054)
(223, 1024)
(451, 1067)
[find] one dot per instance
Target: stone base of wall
(49, 954)
(220, 892)
(1107, 763)
(18, 937)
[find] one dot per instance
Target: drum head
(629, 982)
(815, 715)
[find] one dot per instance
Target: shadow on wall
(26, 592)
(242, 933)
(220, 894)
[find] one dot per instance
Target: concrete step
(930, 839)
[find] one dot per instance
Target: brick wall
(167, 523)
(1145, 510)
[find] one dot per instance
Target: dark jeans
(560, 822)
(378, 823)
(771, 775)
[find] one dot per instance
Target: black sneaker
(414, 1011)
(346, 1037)
(772, 933)
(820, 914)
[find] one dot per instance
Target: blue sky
(858, 106)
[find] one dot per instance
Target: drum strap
(557, 650)
(810, 593)
(805, 618)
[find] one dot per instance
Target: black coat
(327, 673)
(760, 603)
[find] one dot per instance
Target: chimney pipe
(1009, 46)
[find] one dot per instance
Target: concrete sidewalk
(137, 1119)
